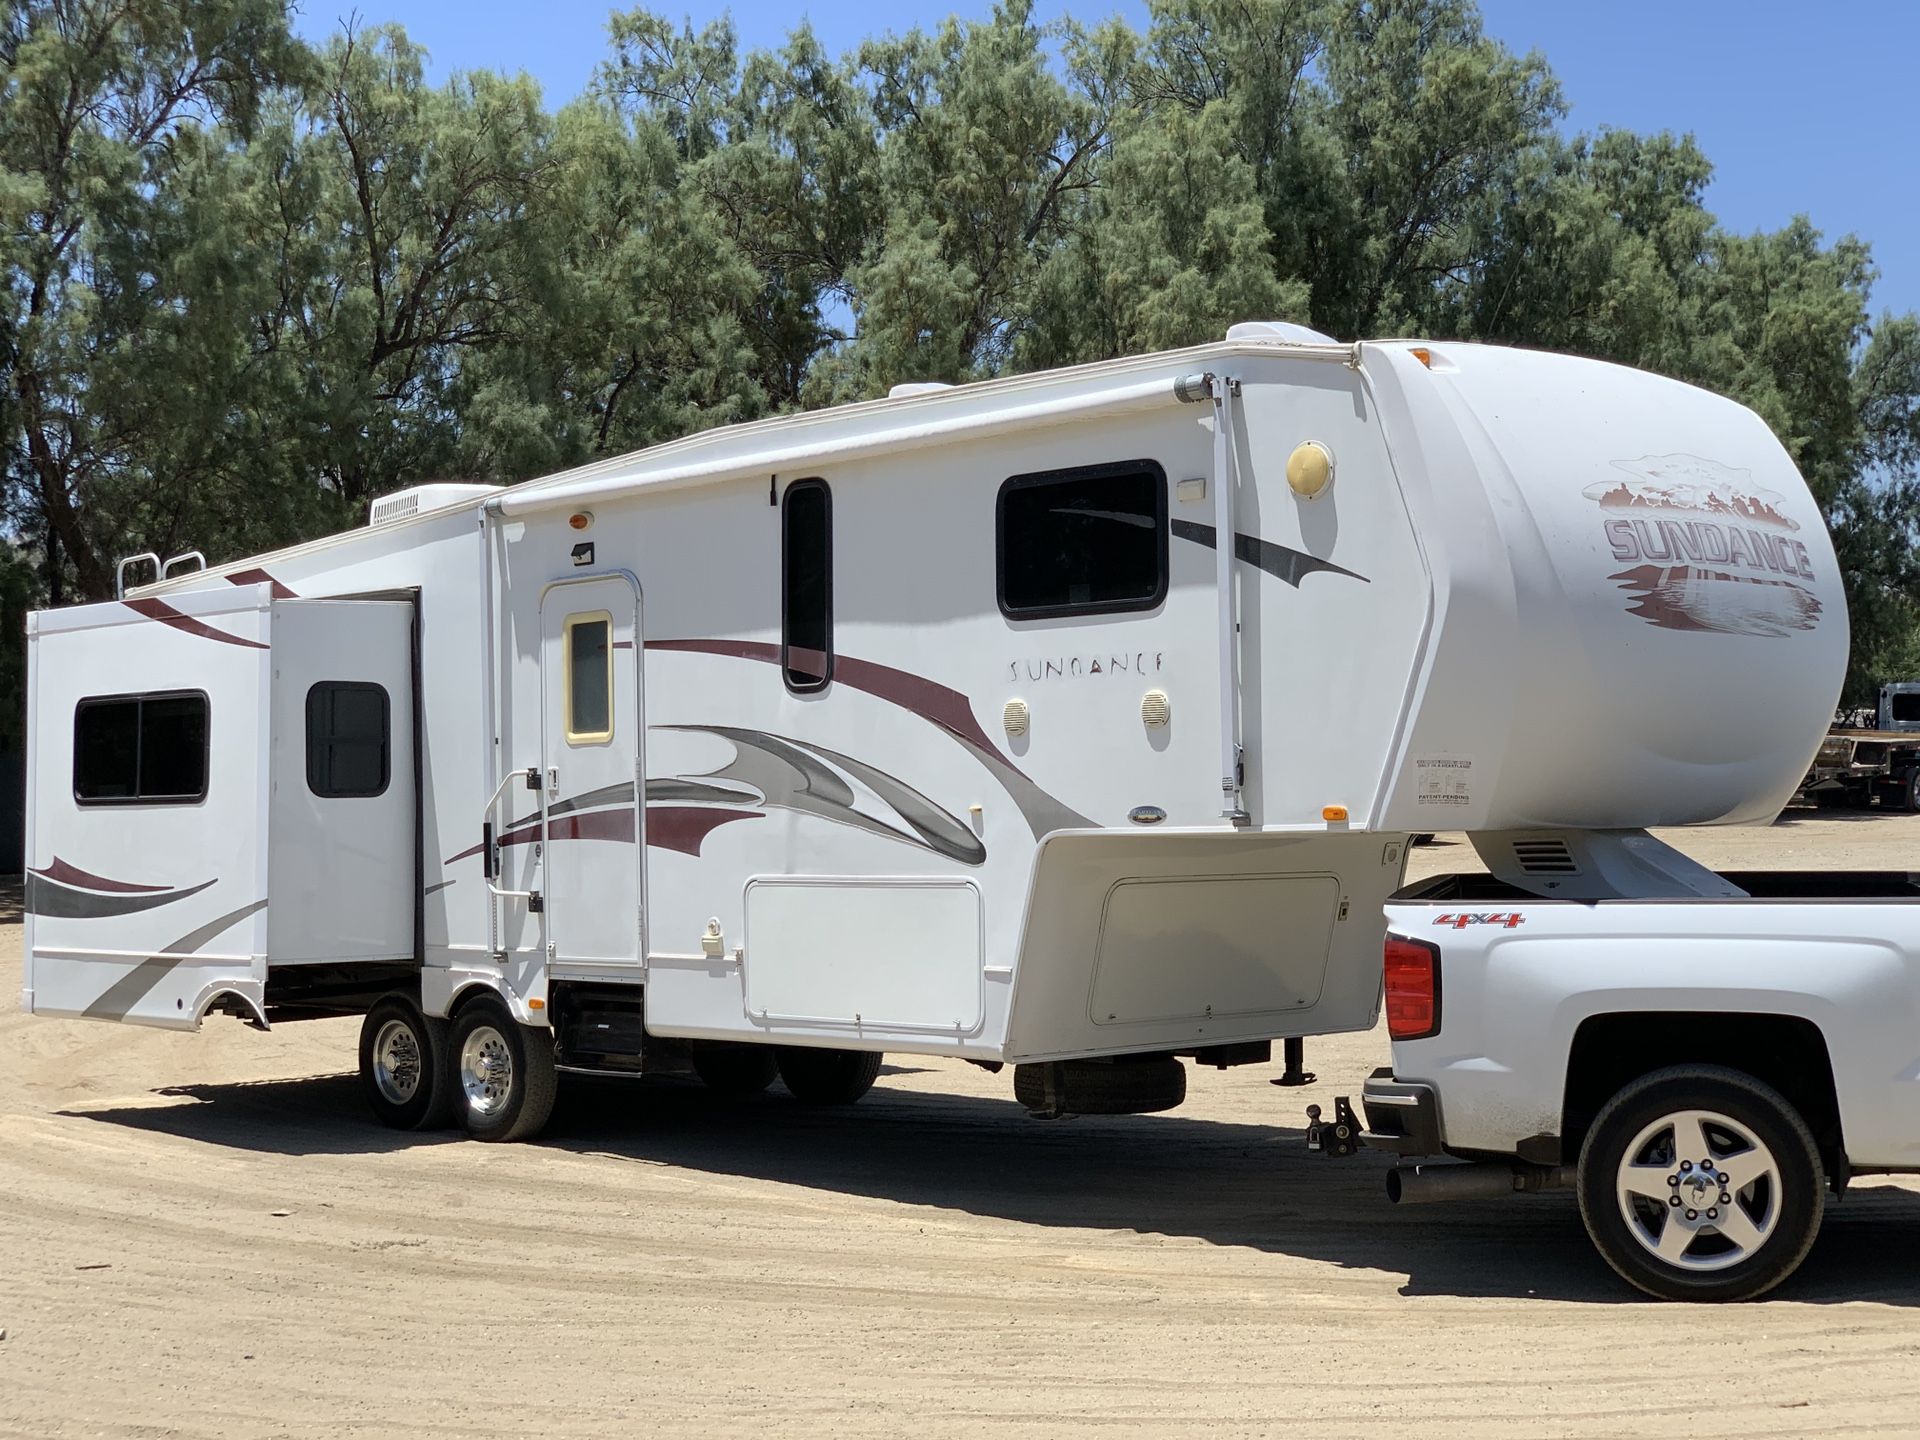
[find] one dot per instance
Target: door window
(588, 660)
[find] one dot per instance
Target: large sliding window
(806, 585)
(141, 749)
(1087, 541)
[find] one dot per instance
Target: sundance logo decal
(1707, 550)
(1509, 919)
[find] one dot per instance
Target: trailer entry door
(592, 727)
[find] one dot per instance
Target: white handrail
(120, 572)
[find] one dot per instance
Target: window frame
(140, 698)
(575, 737)
(1068, 475)
(808, 686)
(386, 739)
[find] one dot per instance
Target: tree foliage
(251, 283)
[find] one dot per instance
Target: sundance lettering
(1074, 667)
(1708, 542)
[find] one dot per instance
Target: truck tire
(1701, 1183)
(736, 1071)
(827, 1077)
(403, 1065)
(1910, 789)
(501, 1073)
(1126, 1085)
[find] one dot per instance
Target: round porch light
(1309, 469)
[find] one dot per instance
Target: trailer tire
(1125, 1085)
(501, 1073)
(1632, 1170)
(403, 1065)
(736, 1071)
(827, 1077)
(1910, 789)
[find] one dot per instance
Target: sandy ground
(205, 1235)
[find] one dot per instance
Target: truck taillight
(1413, 989)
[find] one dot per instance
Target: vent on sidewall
(1545, 857)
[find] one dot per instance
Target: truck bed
(1784, 885)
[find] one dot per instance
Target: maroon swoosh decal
(684, 827)
(928, 699)
(67, 874)
(167, 615)
(669, 827)
(257, 576)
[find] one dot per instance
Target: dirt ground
(205, 1235)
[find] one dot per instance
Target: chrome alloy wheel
(396, 1061)
(1699, 1191)
(486, 1070)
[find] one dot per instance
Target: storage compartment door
(344, 877)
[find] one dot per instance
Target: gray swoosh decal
(55, 901)
(788, 777)
(621, 793)
(1291, 566)
(132, 987)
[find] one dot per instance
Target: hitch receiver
(1336, 1138)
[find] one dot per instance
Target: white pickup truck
(1703, 1068)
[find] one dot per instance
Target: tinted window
(1906, 706)
(589, 678)
(349, 739)
(140, 748)
(1082, 542)
(806, 581)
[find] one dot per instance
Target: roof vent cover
(418, 500)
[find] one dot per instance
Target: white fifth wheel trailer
(1076, 721)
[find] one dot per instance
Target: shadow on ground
(1225, 1183)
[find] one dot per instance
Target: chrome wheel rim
(1699, 1191)
(396, 1062)
(486, 1070)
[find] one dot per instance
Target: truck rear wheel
(502, 1073)
(734, 1070)
(828, 1077)
(403, 1065)
(1701, 1183)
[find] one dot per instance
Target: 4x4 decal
(1508, 918)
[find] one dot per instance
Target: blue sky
(1801, 109)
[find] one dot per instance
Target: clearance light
(1334, 814)
(1423, 355)
(536, 1004)
(580, 519)
(1412, 989)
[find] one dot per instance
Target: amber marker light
(580, 519)
(536, 1004)
(1333, 814)
(1423, 355)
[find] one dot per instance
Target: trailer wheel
(828, 1077)
(501, 1072)
(403, 1065)
(736, 1071)
(1910, 789)
(1701, 1183)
